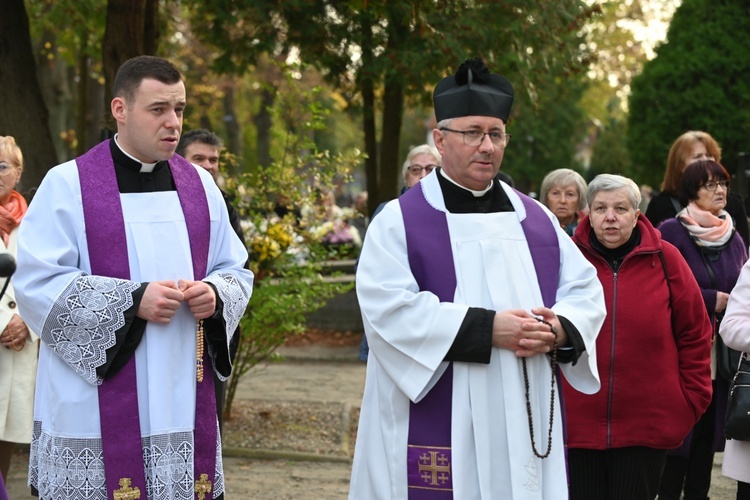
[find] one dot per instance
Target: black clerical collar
(459, 200)
(130, 179)
(123, 160)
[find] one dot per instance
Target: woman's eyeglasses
(417, 169)
(712, 185)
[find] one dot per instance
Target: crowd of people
(469, 317)
(568, 347)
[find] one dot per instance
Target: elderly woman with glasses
(563, 191)
(420, 161)
(705, 235)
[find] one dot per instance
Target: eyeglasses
(713, 185)
(475, 137)
(417, 169)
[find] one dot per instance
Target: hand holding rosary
(552, 394)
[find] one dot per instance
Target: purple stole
(429, 473)
(108, 252)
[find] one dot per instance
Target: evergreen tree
(699, 80)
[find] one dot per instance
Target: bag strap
(675, 204)
(666, 276)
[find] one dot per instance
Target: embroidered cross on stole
(126, 492)
(429, 458)
(108, 253)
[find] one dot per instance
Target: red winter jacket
(653, 356)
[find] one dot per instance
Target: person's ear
(439, 139)
(119, 109)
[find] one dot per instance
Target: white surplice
(410, 332)
(56, 294)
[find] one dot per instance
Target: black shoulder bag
(727, 359)
(737, 425)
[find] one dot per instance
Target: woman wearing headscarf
(705, 235)
(19, 351)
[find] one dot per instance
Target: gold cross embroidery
(203, 486)
(125, 492)
(434, 467)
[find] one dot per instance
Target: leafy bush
(286, 253)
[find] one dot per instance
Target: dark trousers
(743, 491)
(221, 396)
(692, 474)
(221, 387)
(631, 473)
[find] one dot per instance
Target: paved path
(311, 373)
(305, 376)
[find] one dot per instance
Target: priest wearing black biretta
(465, 287)
(473, 90)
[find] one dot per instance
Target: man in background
(203, 148)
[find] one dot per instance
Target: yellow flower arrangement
(280, 234)
(265, 248)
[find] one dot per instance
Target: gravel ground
(316, 428)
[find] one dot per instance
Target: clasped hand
(162, 299)
(523, 333)
(15, 334)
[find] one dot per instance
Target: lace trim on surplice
(234, 293)
(73, 468)
(82, 323)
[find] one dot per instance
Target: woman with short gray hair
(563, 192)
(610, 182)
(665, 338)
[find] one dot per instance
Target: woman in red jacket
(652, 352)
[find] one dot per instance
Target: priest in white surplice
(451, 281)
(129, 270)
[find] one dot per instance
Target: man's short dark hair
(198, 135)
(135, 70)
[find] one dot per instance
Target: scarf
(11, 213)
(570, 229)
(706, 229)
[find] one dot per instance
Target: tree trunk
(151, 27)
(366, 86)
(55, 80)
(231, 125)
(23, 112)
(82, 92)
(262, 122)
(393, 102)
(390, 162)
(96, 108)
(374, 197)
(131, 31)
